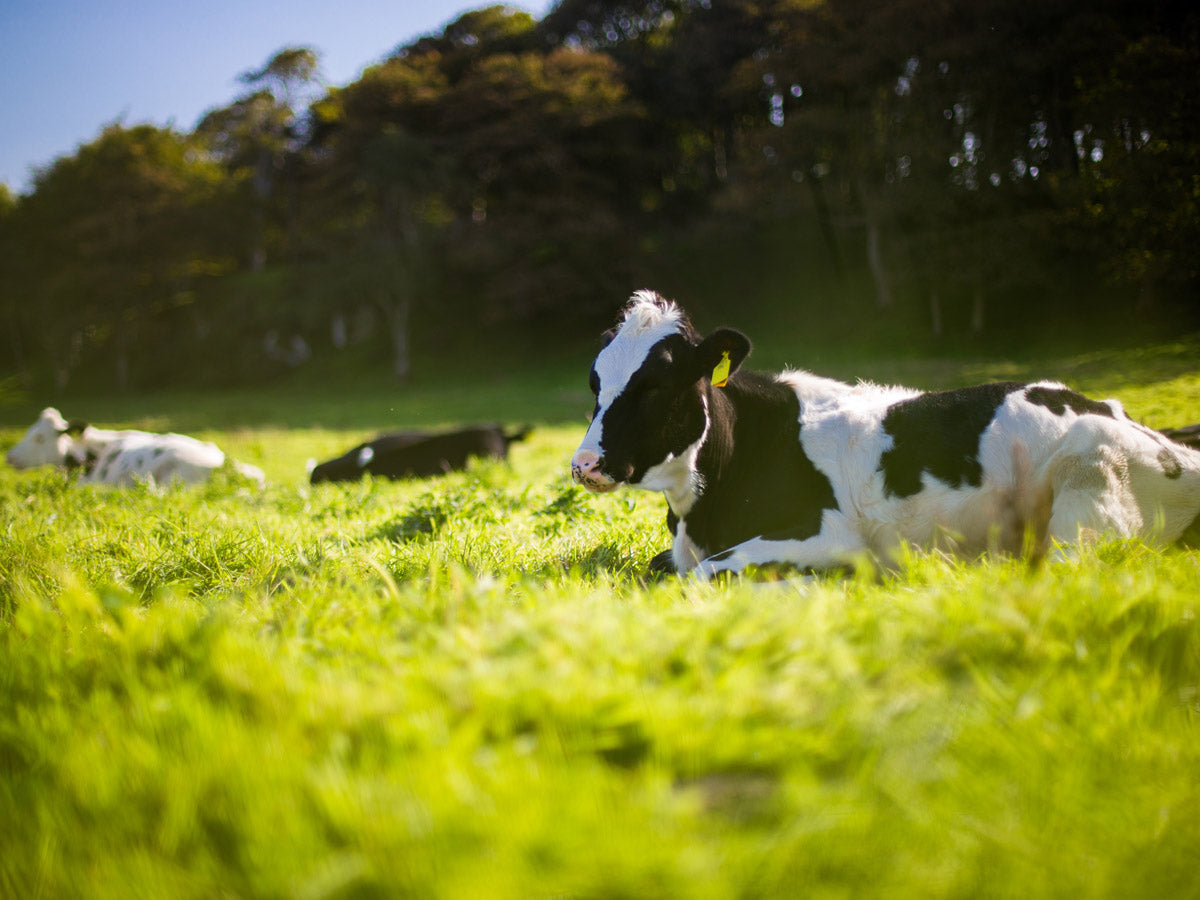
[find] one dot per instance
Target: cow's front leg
(835, 546)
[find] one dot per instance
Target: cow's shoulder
(841, 424)
(758, 477)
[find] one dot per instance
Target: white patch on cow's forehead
(647, 321)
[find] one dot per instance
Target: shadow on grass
(610, 560)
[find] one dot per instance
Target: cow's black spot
(1059, 400)
(105, 465)
(802, 533)
(939, 433)
(158, 451)
(1171, 466)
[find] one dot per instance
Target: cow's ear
(720, 354)
(75, 427)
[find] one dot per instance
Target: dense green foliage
(954, 171)
(462, 687)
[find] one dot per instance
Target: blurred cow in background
(1188, 435)
(101, 456)
(418, 454)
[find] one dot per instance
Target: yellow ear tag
(721, 372)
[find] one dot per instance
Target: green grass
(463, 688)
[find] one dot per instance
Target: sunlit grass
(465, 687)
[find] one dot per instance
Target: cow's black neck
(753, 430)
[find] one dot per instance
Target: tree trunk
(18, 353)
(720, 155)
(883, 289)
(262, 191)
(258, 251)
(825, 222)
(977, 312)
(1063, 155)
(338, 331)
(398, 320)
(121, 346)
(403, 272)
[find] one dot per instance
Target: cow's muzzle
(585, 469)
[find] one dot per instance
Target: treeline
(932, 169)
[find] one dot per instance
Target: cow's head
(652, 381)
(47, 442)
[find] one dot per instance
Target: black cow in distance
(418, 454)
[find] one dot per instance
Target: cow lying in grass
(1188, 435)
(101, 456)
(803, 470)
(418, 454)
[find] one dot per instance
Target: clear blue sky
(69, 67)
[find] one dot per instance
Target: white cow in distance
(102, 456)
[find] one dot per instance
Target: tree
(113, 241)
(516, 171)
(963, 154)
(949, 129)
(377, 218)
(10, 299)
(1141, 158)
(287, 75)
(259, 133)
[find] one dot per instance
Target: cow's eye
(594, 383)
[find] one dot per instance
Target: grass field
(463, 688)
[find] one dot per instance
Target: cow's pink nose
(585, 469)
(585, 466)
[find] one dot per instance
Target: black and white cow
(418, 454)
(101, 456)
(798, 469)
